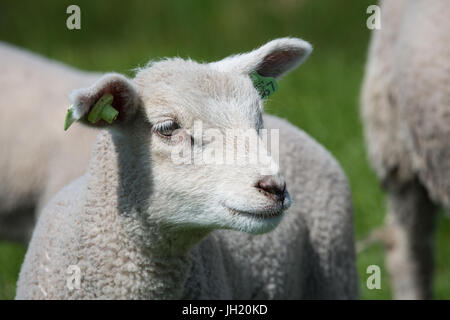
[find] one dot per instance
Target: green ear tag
(69, 118)
(266, 86)
(103, 110)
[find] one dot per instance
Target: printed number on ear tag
(266, 86)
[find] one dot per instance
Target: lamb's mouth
(267, 214)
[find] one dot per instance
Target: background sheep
(33, 165)
(133, 222)
(406, 112)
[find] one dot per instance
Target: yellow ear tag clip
(101, 110)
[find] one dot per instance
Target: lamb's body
(309, 255)
(406, 112)
(112, 224)
(33, 164)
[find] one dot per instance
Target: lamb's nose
(272, 186)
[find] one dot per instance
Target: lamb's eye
(166, 128)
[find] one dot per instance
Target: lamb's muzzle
(272, 188)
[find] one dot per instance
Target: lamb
(137, 225)
(35, 151)
(406, 115)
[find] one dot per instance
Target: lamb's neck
(143, 259)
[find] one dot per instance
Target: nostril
(269, 185)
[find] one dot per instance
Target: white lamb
(139, 226)
(406, 113)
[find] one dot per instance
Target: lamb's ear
(274, 59)
(112, 86)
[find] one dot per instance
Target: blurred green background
(321, 97)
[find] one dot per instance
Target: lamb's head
(210, 167)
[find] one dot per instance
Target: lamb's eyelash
(165, 125)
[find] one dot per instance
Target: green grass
(11, 257)
(321, 97)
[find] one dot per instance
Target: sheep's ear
(113, 93)
(274, 59)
